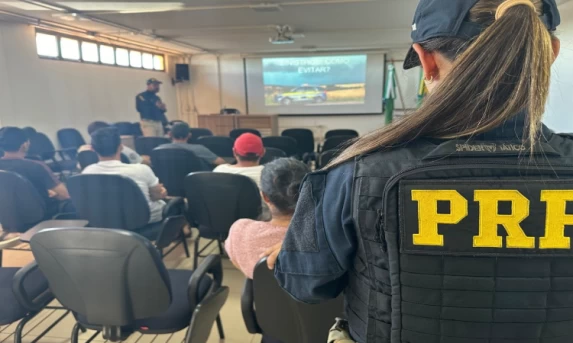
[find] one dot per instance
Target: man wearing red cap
(248, 151)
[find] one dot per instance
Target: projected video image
(312, 81)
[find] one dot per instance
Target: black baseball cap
(154, 81)
(449, 18)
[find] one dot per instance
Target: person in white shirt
(106, 142)
(248, 151)
(131, 155)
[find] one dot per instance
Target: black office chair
(172, 165)
(295, 322)
(29, 131)
(24, 293)
(219, 145)
(272, 154)
(137, 132)
(305, 141)
(115, 283)
(234, 134)
(125, 128)
(42, 148)
(70, 139)
(87, 158)
(217, 200)
(286, 144)
(340, 132)
(116, 202)
(336, 142)
(197, 133)
(145, 145)
(325, 157)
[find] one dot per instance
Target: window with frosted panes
(135, 59)
(79, 49)
(107, 54)
(70, 49)
(47, 45)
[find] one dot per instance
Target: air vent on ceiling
(266, 7)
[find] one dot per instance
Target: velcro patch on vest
(461, 148)
(492, 217)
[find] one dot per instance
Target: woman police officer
(449, 225)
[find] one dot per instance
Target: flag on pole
(390, 93)
(422, 89)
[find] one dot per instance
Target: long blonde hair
(502, 72)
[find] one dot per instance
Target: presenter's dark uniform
(153, 119)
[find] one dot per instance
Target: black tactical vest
(464, 242)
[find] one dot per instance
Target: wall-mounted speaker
(182, 72)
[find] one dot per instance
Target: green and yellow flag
(390, 93)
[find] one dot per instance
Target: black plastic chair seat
(11, 310)
(178, 315)
(150, 231)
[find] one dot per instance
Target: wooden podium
(221, 125)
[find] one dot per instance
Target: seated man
(15, 144)
(131, 155)
(106, 143)
(180, 133)
(248, 151)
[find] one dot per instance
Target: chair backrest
(217, 200)
(125, 128)
(42, 146)
(335, 142)
(341, 132)
(219, 145)
(197, 133)
(281, 317)
(87, 158)
(234, 134)
(304, 139)
(272, 154)
(109, 201)
(327, 156)
(145, 145)
(172, 165)
(286, 144)
(108, 276)
(29, 131)
(21, 206)
(70, 138)
(137, 132)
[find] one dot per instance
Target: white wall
(50, 95)
(212, 92)
(559, 115)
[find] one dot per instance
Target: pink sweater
(248, 239)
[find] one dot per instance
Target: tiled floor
(234, 327)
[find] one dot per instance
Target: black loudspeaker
(182, 72)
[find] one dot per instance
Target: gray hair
(280, 182)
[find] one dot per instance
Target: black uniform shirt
(146, 104)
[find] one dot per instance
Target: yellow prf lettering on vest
(429, 218)
(556, 219)
(489, 219)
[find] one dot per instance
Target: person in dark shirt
(15, 144)
(151, 110)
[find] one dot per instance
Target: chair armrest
(9, 243)
(175, 206)
(22, 296)
(248, 308)
(171, 228)
(211, 265)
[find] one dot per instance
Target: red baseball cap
(249, 143)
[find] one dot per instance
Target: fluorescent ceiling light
(120, 7)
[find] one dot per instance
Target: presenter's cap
(449, 18)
